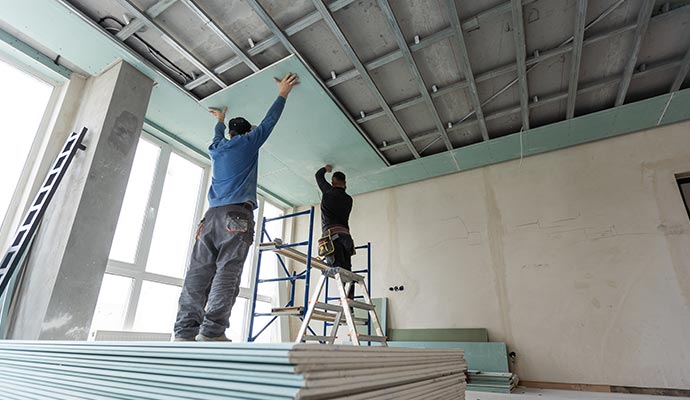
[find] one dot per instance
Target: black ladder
(22, 238)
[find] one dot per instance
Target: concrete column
(68, 258)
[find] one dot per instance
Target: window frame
(137, 270)
(29, 176)
(35, 165)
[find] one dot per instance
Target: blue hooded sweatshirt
(235, 161)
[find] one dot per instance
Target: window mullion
(152, 208)
(254, 263)
(133, 304)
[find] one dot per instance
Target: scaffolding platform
(291, 251)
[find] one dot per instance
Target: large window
(23, 101)
(153, 240)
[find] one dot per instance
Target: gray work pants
(212, 282)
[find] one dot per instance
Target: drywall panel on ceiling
(311, 132)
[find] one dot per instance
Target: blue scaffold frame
(293, 277)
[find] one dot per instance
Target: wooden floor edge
(585, 387)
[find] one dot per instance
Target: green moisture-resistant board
(480, 356)
(439, 335)
(313, 131)
(381, 304)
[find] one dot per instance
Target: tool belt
(326, 246)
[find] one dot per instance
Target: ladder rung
(329, 307)
(324, 316)
(290, 311)
(367, 338)
(316, 338)
(338, 298)
(359, 304)
(346, 276)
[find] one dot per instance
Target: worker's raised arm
(219, 130)
(321, 178)
(259, 135)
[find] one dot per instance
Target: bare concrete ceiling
(630, 50)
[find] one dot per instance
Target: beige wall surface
(579, 259)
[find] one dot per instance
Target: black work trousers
(212, 282)
(342, 256)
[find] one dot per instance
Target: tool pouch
(326, 246)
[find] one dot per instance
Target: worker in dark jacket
(336, 206)
(212, 282)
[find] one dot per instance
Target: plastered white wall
(579, 259)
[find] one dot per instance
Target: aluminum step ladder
(24, 235)
(342, 314)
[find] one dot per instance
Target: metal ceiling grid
(419, 78)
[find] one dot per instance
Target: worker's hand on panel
(219, 114)
(329, 168)
(286, 84)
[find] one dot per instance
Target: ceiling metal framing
(282, 38)
(291, 30)
(682, 72)
(565, 47)
(475, 118)
(363, 73)
(466, 67)
(520, 55)
(642, 24)
(578, 38)
(414, 70)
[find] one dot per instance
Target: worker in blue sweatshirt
(226, 232)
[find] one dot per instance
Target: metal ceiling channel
(221, 34)
(137, 23)
(280, 35)
(532, 62)
(521, 54)
(446, 33)
(578, 38)
(74, 10)
(549, 99)
(564, 44)
(338, 33)
(682, 72)
(127, 4)
(642, 23)
(467, 69)
(412, 65)
(291, 30)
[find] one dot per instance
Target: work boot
(182, 339)
(204, 338)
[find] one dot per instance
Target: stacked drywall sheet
(439, 335)
(487, 363)
(496, 382)
(117, 370)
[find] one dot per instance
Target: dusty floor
(549, 394)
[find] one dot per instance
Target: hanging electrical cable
(157, 55)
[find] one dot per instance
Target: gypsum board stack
(191, 370)
(496, 382)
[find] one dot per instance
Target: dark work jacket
(336, 204)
